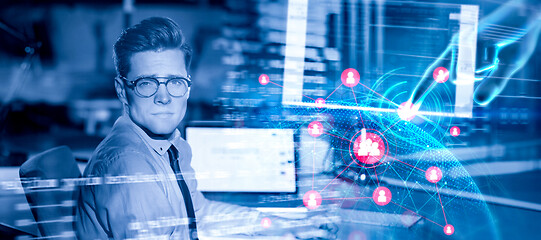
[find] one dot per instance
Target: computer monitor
(243, 159)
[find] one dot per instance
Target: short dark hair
(155, 33)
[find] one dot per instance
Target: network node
(320, 102)
(350, 77)
(433, 174)
(315, 129)
(264, 79)
(312, 199)
(449, 229)
(407, 111)
(382, 196)
(266, 222)
(455, 131)
(369, 147)
(440, 74)
(363, 177)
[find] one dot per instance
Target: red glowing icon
(266, 222)
(440, 74)
(382, 196)
(449, 229)
(433, 174)
(312, 199)
(264, 79)
(368, 148)
(320, 102)
(315, 129)
(455, 131)
(350, 77)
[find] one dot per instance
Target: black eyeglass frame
(133, 84)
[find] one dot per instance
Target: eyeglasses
(148, 86)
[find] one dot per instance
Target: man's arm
(218, 218)
(125, 210)
(221, 219)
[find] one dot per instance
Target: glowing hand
(503, 54)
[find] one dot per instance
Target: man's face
(161, 113)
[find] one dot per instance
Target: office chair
(52, 202)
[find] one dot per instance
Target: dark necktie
(173, 156)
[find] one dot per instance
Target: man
(153, 84)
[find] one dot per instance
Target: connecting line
(338, 137)
(377, 179)
(336, 176)
(314, 165)
(354, 97)
(416, 213)
(438, 191)
(351, 198)
(425, 92)
(378, 94)
(333, 91)
(283, 87)
(407, 164)
(388, 165)
(432, 122)
(391, 126)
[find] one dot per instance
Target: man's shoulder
(183, 146)
(122, 151)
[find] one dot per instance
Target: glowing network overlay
(465, 64)
(414, 173)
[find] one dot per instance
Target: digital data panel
(243, 160)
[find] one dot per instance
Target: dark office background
(56, 83)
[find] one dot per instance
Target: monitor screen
(243, 159)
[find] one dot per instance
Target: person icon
(441, 76)
(264, 79)
(374, 150)
(320, 102)
(315, 129)
(455, 131)
(368, 148)
(312, 200)
(382, 198)
(364, 148)
(350, 79)
(448, 229)
(433, 175)
(266, 222)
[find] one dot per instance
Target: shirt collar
(160, 146)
